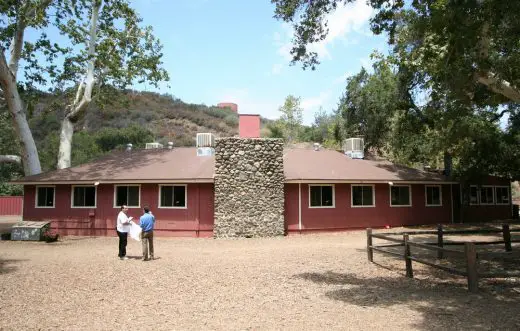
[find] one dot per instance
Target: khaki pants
(147, 239)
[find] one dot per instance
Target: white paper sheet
(135, 231)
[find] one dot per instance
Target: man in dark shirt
(147, 222)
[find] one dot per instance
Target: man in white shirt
(123, 227)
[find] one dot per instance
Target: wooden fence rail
(469, 254)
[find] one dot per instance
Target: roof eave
(365, 181)
(112, 181)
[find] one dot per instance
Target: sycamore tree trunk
(83, 96)
(29, 157)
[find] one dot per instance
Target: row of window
(170, 196)
(489, 195)
(322, 196)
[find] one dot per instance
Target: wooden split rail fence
(470, 254)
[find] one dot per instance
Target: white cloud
(311, 105)
(352, 17)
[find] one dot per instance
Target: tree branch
(10, 159)
(89, 81)
(499, 86)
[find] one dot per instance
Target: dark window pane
(79, 197)
(45, 197)
(367, 196)
(326, 196)
(166, 196)
(121, 195)
(473, 195)
(90, 196)
(357, 195)
(179, 196)
(49, 201)
(315, 196)
(133, 196)
(400, 195)
(502, 195)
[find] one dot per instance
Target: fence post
(440, 241)
(507, 237)
(407, 259)
(370, 252)
(471, 266)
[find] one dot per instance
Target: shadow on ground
(7, 266)
(441, 305)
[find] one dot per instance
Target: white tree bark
(30, 159)
(10, 159)
(499, 86)
(489, 79)
(83, 95)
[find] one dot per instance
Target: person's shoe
(124, 258)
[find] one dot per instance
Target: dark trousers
(123, 239)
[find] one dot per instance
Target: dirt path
(311, 282)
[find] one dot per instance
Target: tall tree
(291, 118)
(80, 45)
(368, 104)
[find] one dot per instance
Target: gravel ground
(307, 282)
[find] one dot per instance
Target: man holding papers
(123, 226)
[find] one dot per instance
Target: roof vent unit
(205, 140)
(153, 146)
(354, 148)
(205, 151)
(316, 146)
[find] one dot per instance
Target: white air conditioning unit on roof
(153, 146)
(205, 140)
(354, 148)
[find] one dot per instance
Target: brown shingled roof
(327, 165)
(153, 165)
(183, 165)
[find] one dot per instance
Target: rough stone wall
(249, 182)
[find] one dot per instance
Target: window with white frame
(128, 195)
(502, 195)
(486, 195)
(321, 196)
(433, 195)
(363, 196)
(473, 195)
(45, 196)
(172, 196)
(83, 196)
(400, 195)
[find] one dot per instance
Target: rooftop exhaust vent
(153, 146)
(128, 147)
(205, 140)
(354, 148)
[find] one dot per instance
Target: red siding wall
(11, 206)
(343, 216)
(195, 220)
(483, 213)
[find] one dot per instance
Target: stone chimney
(249, 126)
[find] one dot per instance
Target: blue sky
(235, 51)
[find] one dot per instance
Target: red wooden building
(324, 191)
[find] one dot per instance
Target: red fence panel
(11, 205)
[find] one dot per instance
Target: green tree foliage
(368, 104)
(455, 78)
(291, 119)
(93, 44)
